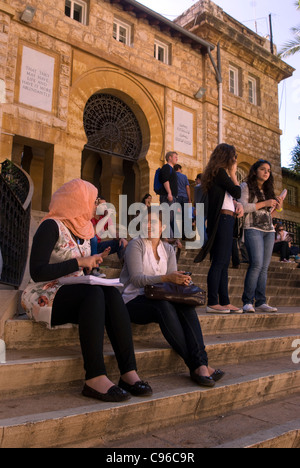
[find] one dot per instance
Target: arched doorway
(113, 125)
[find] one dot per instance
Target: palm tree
(293, 46)
(295, 164)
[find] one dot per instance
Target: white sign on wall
(183, 131)
(37, 78)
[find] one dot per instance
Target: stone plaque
(183, 131)
(37, 79)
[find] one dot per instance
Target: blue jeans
(114, 244)
(217, 280)
(260, 248)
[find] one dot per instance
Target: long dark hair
(267, 188)
(224, 156)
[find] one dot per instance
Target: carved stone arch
(133, 93)
(112, 127)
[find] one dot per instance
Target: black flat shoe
(114, 394)
(217, 375)
(202, 380)
(139, 389)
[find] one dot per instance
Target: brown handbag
(189, 295)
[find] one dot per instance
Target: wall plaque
(37, 79)
(183, 131)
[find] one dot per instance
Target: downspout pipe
(218, 72)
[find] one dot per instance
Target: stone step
(261, 426)
(200, 275)
(33, 371)
(273, 270)
(25, 334)
(8, 307)
(272, 299)
(66, 418)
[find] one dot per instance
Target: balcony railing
(16, 189)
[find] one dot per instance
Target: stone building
(291, 214)
(102, 89)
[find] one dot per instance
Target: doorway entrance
(36, 158)
(112, 125)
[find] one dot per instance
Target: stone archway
(148, 112)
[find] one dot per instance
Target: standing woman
(219, 181)
(61, 247)
(259, 201)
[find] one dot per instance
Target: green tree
(295, 164)
(293, 46)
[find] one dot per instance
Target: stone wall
(89, 60)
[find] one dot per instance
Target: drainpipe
(218, 72)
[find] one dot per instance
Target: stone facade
(252, 128)
(291, 182)
(42, 106)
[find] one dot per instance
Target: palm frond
(296, 31)
(290, 48)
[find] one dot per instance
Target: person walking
(184, 197)
(169, 181)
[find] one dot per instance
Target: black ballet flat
(139, 389)
(202, 380)
(114, 395)
(217, 375)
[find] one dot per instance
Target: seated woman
(61, 247)
(150, 261)
(282, 243)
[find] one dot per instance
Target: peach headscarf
(74, 205)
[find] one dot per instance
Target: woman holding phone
(259, 202)
(61, 247)
(150, 261)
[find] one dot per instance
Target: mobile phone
(187, 273)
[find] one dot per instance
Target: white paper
(91, 280)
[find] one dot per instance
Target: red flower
(43, 301)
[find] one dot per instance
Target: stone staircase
(256, 404)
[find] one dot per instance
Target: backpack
(158, 186)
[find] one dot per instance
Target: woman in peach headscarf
(61, 247)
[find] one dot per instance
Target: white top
(260, 220)
(151, 267)
(228, 203)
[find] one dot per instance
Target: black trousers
(179, 325)
(217, 279)
(283, 249)
(93, 308)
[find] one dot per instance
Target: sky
(255, 15)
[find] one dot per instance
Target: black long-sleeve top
(168, 174)
(216, 195)
(43, 245)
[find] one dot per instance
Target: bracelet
(279, 211)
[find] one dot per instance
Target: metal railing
(16, 189)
